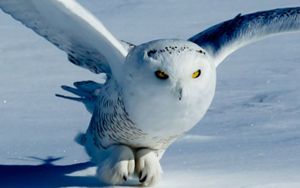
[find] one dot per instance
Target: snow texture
(250, 138)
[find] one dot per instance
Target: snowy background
(250, 138)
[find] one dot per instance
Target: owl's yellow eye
(196, 74)
(161, 75)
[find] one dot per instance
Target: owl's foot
(148, 168)
(117, 166)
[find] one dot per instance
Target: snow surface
(250, 138)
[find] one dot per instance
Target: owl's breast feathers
(111, 124)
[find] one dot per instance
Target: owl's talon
(116, 169)
(148, 167)
(142, 180)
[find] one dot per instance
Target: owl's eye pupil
(196, 74)
(161, 75)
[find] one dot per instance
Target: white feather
(73, 29)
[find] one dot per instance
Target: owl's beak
(180, 94)
(178, 91)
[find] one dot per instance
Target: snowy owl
(154, 92)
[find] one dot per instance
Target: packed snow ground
(250, 138)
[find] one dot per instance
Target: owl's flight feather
(224, 38)
(70, 27)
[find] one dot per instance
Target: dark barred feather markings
(110, 123)
(245, 29)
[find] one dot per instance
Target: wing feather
(70, 27)
(224, 38)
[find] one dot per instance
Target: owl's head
(175, 69)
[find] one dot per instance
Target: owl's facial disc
(178, 88)
(171, 68)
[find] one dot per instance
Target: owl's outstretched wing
(224, 38)
(73, 29)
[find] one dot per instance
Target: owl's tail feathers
(80, 139)
(85, 91)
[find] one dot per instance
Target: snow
(250, 138)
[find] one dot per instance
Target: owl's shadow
(46, 175)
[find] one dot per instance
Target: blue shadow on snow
(46, 175)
